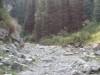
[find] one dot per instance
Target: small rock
(12, 51)
(7, 74)
(76, 52)
(28, 60)
(92, 55)
(6, 63)
(22, 61)
(68, 53)
(91, 66)
(87, 69)
(82, 49)
(3, 32)
(26, 73)
(75, 72)
(6, 58)
(21, 55)
(95, 65)
(97, 52)
(13, 46)
(17, 66)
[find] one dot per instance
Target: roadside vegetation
(90, 34)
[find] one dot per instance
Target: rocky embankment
(13, 61)
(36, 59)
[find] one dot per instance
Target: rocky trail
(51, 60)
(55, 60)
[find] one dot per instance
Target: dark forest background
(57, 21)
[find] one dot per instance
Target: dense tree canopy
(97, 10)
(47, 17)
(88, 8)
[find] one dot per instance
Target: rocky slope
(55, 60)
(36, 59)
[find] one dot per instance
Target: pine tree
(97, 10)
(18, 10)
(88, 8)
(29, 16)
(50, 17)
(0, 3)
(76, 15)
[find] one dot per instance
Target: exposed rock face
(16, 33)
(4, 30)
(14, 29)
(17, 30)
(13, 32)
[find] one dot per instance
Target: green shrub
(28, 38)
(5, 16)
(47, 42)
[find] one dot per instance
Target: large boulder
(3, 33)
(96, 48)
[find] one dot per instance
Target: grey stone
(26, 73)
(12, 51)
(95, 66)
(6, 63)
(17, 66)
(75, 72)
(91, 66)
(97, 52)
(68, 53)
(28, 60)
(7, 74)
(87, 69)
(96, 46)
(3, 33)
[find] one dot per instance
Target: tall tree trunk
(29, 16)
(76, 15)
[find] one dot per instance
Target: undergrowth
(90, 34)
(4, 15)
